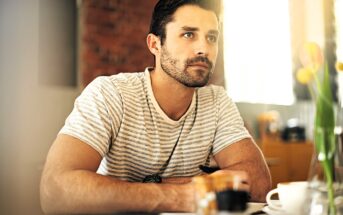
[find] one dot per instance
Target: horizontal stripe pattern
(119, 117)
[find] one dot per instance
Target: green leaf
(325, 118)
(325, 121)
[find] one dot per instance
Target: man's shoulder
(213, 94)
(119, 78)
(127, 78)
(117, 84)
(120, 81)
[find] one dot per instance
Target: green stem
(328, 170)
(316, 79)
(320, 91)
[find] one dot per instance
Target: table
(253, 207)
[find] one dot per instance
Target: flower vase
(325, 190)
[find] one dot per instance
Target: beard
(181, 71)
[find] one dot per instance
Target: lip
(203, 65)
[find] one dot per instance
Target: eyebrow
(188, 28)
(214, 32)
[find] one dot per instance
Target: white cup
(292, 196)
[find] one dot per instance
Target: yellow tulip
(305, 75)
(311, 56)
(339, 66)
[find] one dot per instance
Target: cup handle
(271, 204)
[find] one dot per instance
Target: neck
(173, 97)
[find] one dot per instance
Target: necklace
(156, 178)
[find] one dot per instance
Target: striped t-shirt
(120, 118)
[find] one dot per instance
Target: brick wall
(113, 38)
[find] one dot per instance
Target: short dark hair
(165, 9)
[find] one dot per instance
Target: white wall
(30, 114)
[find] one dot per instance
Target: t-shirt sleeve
(90, 120)
(230, 125)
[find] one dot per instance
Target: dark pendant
(152, 179)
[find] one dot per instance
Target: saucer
(254, 207)
(272, 211)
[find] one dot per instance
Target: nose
(201, 47)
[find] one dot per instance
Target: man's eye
(212, 38)
(188, 35)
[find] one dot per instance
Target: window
(257, 51)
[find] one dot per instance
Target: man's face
(191, 46)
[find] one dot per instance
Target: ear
(154, 43)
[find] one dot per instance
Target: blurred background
(51, 49)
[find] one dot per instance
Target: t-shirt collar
(157, 106)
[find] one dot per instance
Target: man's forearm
(261, 185)
(80, 191)
(259, 180)
(245, 155)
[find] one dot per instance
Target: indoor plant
(315, 74)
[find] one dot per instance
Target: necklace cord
(172, 152)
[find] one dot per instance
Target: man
(156, 126)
